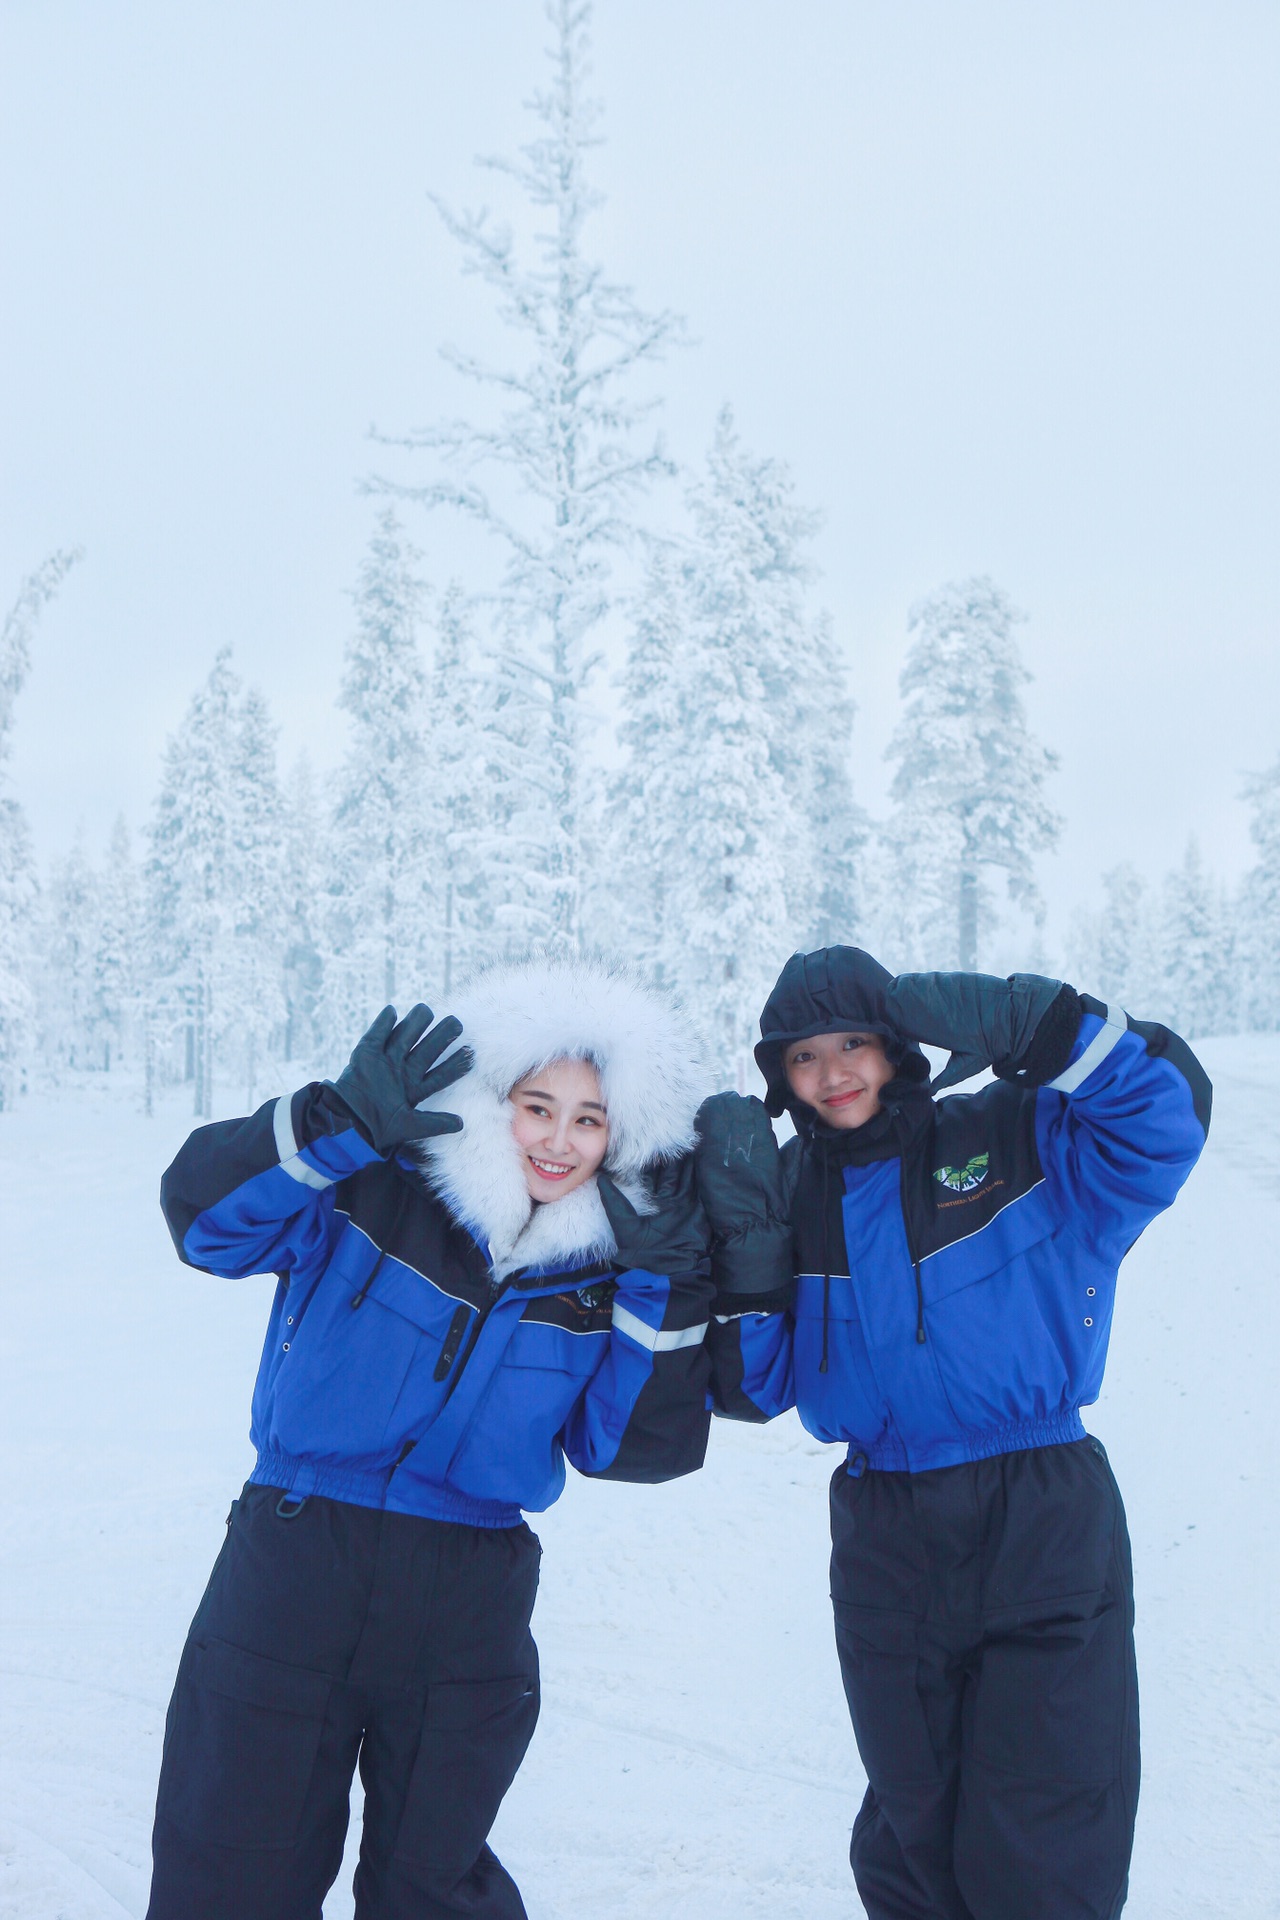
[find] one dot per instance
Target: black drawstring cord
(826, 1262)
(359, 1299)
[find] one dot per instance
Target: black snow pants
(984, 1622)
(332, 1634)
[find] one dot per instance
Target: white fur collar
(522, 1015)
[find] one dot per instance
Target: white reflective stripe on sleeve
(645, 1336)
(1107, 1036)
(287, 1147)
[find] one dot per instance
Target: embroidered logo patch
(964, 1179)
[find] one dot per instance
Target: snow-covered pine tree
(1259, 907)
(1114, 952)
(18, 885)
(115, 997)
(190, 836)
(303, 882)
(381, 914)
(252, 1011)
(471, 791)
(732, 829)
(1197, 948)
(968, 792)
(569, 472)
(67, 946)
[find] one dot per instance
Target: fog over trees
(699, 814)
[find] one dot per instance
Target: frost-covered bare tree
(968, 792)
(555, 474)
(18, 886)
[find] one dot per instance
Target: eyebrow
(536, 1093)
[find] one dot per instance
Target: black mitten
(743, 1188)
(392, 1068)
(673, 1238)
(1023, 1027)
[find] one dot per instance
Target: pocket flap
(467, 1703)
(400, 1290)
(1018, 1226)
(239, 1675)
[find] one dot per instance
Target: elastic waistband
(890, 1455)
(387, 1490)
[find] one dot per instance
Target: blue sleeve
(257, 1195)
(1119, 1130)
(645, 1413)
(752, 1365)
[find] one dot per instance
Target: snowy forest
(635, 733)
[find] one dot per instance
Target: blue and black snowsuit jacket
(397, 1371)
(956, 1260)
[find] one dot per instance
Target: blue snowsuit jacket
(397, 1372)
(956, 1270)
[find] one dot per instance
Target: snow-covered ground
(693, 1761)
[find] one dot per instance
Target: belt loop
(858, 1465)
(289, 1506)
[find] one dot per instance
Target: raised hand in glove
(1023, 1027)
(743, 1189)
(673, 1238)
(393, 1068)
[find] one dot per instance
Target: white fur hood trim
(521, 1015)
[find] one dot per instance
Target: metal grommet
(1089, 1290)
(285, 1347)
(1088, 1322)
(289, 1321)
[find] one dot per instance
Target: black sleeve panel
(1162, 1044)
(666, 1435)
(724, 1354)
(212, 1163)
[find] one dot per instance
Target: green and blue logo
(964, 1179)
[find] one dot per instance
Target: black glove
(1023, 1027)
(675, 1236)
(392, 1068)
(744, 1191)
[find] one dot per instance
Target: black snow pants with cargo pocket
(331, 1635)
(984, 1622)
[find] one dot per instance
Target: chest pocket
(511, 1450)
(981, 1251)
(359, 1370)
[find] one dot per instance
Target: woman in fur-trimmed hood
(520, 1016)
(490, 1255)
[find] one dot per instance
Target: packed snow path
(693, 1761)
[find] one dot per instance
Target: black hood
(831, 991)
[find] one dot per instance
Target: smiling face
(560, 1126)
(839, 1075)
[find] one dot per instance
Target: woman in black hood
(931, 1284)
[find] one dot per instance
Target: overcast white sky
(999, 280)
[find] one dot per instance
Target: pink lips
(561, 1173)
(843, 1099)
